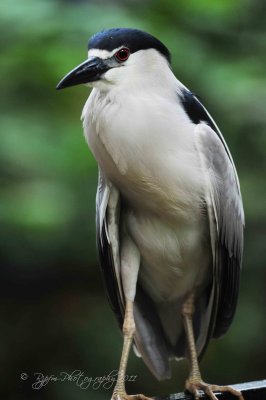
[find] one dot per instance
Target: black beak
(89, 71)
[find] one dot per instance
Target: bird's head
(118, 56)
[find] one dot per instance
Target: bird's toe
(195, 386)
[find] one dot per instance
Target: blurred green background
(54, 314)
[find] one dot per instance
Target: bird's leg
(194, 383)
(130, 262)
(128, 332)
(187, 312)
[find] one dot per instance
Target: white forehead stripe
(103, 54)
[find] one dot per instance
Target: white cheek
(113, 75)
(107, 80)
(100, 84)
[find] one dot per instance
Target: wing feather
(107, 235)
(225, 200)
(225, 211)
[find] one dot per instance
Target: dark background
(54, 314)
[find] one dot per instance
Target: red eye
(122, 54)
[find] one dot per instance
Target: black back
(198, 113)
(195, 110)
(133, 39)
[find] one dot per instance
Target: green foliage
(54, 315)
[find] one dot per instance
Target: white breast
(148, 154)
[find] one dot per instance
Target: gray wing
(226, 218)
(107, 235)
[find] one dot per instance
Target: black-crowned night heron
(169, 209)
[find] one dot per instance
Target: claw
(194, 386)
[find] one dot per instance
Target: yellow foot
(124, 396)
(195, 386)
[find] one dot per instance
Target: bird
(169, 212)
